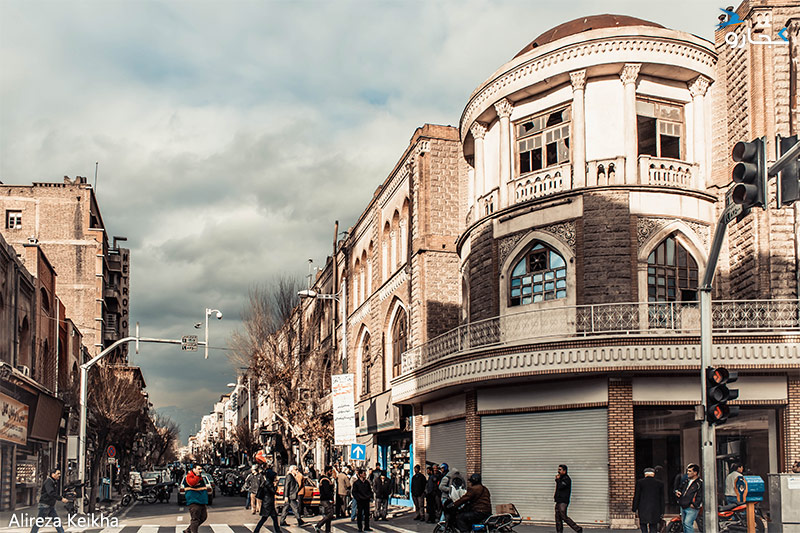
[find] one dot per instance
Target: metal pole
(785, 160)
(208, 312)
(249, 406)
(707, 432)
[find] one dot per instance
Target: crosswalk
(221, 528)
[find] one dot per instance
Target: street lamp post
(209, 312)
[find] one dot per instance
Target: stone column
(628, 76)
(478, 133)
(698, 88)
(473, 427)
(578, 79)
(504, 109)
(621, 453)
(418, 437)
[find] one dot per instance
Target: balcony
(602, 336)
(668, 173)
(540, 183)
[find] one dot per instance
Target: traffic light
(789, 177)
(718, 394)
(750, 174)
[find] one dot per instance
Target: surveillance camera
(219, 315)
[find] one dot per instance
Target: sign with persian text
(344, 417)
(13, 420)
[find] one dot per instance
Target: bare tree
(273, 348)
(162, 434)
(245, 438)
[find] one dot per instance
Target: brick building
(65, 220)
(596, 173)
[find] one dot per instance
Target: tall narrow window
(659, 128)
(540, 275)
(366, 365)
(399, 341)
(671, 273)
(543, 141)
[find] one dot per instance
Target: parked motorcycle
(496, 523)
(732, 519)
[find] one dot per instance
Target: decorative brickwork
(484, 286)
(791, 425)
(606, 242)
(419, 438)
(621, 448)
(473, 424)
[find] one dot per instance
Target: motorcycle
(71, 492)
(496, 523)
(732, 519)
(232, 486)
(163, 491)
(147, 495)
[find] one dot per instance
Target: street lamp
(311, 294)
(209, 312)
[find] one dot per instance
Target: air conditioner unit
(26, 370)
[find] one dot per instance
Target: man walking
(291, 493)
(342, 486)
(690, 497)
(251, 483)
(737, 470)
(383, 489)
(561, 497)
(266, 494)
(196, 498)
(326, 500)
(418, 483)
(432, 496)
(648, 500)
(47, 501)
(362, 493)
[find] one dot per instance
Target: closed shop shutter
(447, 443)
(520, 456)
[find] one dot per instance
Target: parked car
(210, 487)
(310, 493)
(151, 479)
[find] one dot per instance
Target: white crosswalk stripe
(112, 530)
(221, 528)
(251, 527)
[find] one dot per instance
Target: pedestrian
(690, 497)
(291, 493)
(480, 504)
(353, 506)
(383, 490)
(312, 472)
(266, 493)
(252, 483)
(736, 472)
(796, 467)
(327, 495)
(375, 475)
(648, 500)
(47, 501)
(196, 498)
(342, 488)
(561, 497)
(449, 479)
(362, 494)
(432, 496)
(418, 483)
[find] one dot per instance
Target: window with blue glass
(539, 276)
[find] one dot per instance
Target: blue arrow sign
(358, 452)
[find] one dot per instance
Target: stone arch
(394, 236)
(397, 311)
(363, 360)
(385, 246)
(684, 235)
(405, 223)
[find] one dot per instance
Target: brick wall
(621, 448)
(473, 424)
(484, 291)
(420, 447)
(606, 242)
(791, 425)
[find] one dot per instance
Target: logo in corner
(732, 19)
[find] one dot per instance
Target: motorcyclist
(480, 504)
(446, 484)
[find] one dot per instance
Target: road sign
(189, 343)
(731, 212)
(358, 452)
(111, 451)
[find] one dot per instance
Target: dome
(583, 24)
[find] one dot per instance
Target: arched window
(399, 341)
(540, 275)
(45, 300)
(671, 273)
(366, 365)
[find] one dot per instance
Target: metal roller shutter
(521, 453)
(447, 443)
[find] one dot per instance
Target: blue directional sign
(358, 452)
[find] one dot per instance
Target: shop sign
(378, 414)
(344, 421)
(13, 420)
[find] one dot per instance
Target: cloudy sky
(230, 135)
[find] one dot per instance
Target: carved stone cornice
(647, 226)
(360, 313)
(394, 282)
(630, 73)
(504, 108)
(581, 55)
(565, 231)
(698, 86)
(578, 80)
(478, 130)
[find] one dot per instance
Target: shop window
(13, 219)
(539, 276)
(543, 141)
(659, 128)
(399, 341)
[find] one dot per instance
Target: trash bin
(105, 489)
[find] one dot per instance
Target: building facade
(594, 189)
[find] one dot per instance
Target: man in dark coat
(418, 483)
(362, 493)
(47, 501)
(432, 496)
(648, 500)
(561, 497)
(383, 490)
(266, 493)
(291, 494)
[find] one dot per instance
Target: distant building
(64, 220)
